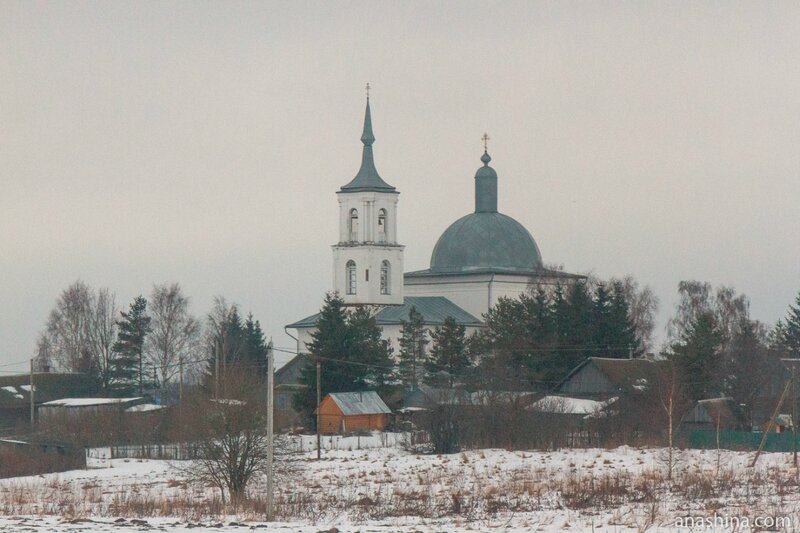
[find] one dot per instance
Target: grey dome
(486, 241)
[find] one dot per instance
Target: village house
(346, 412)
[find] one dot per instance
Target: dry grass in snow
(387, 489)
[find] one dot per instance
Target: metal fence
(738, 440)
(175, 452)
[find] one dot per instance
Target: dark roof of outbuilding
(15, 389)
(621, 372)
(434, 311)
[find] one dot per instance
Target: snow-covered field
(389, 489)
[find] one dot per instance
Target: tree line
(527, 342)
(531, 343)
(149, 345)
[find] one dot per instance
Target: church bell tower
(367, 260)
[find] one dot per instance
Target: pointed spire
(367, 137)
(367, 178)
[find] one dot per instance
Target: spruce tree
(788, 331)
(349, 348)
(255, 348)
(375, 368)
(126, 367)
(450, 361)
(696, 354)
(412, 342)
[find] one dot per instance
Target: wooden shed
(344, 412)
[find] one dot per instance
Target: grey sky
(202, 142)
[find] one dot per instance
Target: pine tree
(227, 347)
(577, 330)
(374, 354)
(618, 337)
(696, 354)
(126, 367)
(788, 331)
(412, 342)
(352, 355)
(450, 360)
(255, 348)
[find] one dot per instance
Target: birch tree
(173, 331)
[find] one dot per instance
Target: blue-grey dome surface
(484, 241)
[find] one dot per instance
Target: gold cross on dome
(368, 88)
(485, 140)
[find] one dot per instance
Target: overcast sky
(203, 142)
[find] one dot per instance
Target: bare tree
(102, 331)
(231, 437)
(642, 308)
(79, 332)
(67, 329)
(174, 331)
(671, 397)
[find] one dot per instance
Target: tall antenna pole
(270, 420)
(319, 415)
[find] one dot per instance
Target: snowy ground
(388, 489)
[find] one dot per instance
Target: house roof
(86, 402)
(359, 403)
(710, 410)
(289, 374)
(15, 389)
(620, 372)
(434, 311)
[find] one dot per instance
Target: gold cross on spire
(368, 88)
(485, 140)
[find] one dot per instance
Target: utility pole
(33, 404)
(180, 379)
(771, 423)
(141, 374)
(319, 415)
(216, 369)
(794, 418)
(270, 420)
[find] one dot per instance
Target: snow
(358, 484)
(142, 408)
(228, 401)
(83, 402)
(567, 405)
(13, 391)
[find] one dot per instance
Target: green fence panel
(738, 440)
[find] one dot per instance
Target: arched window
(382, 225)
(353, 224)
(386, 273)
(350, 271)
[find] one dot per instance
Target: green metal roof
(367, 178)
(434, 310)
(486, 240)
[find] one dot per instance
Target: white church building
(481, 257)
